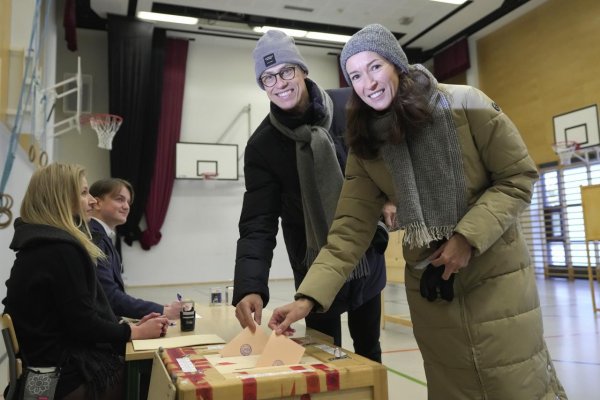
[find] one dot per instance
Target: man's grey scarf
(427, 171)
(320, 177)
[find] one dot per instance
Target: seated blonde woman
(60, 313)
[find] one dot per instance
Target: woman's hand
(284, 316)
(389, 215)
(147, 317)
(152, 326)
(454, 254)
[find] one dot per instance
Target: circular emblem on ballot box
(245, 349)
(277, 362)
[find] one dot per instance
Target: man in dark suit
(114, 196)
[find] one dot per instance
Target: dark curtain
(168, 135)
(70, 24)
(341, 77)
(452, 61)
(136, 58)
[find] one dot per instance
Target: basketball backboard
(197, 160)
(579, 126)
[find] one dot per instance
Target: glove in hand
(432, 284)
(380, 239)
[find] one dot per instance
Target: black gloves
(433, 285)
(380, 239)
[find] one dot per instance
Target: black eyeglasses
(286, 74)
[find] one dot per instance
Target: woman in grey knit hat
(457, 169)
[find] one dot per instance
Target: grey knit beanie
(378, 39)
(274, 48)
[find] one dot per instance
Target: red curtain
(70, 24)
(452, 61)
(168, 135)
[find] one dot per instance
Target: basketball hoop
(106, 126)
(565, 150)
(209, 176)
(209, 179)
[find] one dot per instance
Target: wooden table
(219, 320)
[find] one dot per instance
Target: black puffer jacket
(60, 313)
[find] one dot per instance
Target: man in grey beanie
(273, 48)
(293, 167)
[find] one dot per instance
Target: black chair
(15, 365)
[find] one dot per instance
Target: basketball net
(209, 179)
(106, 126)
(565, 151)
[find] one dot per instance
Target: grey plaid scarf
(320, 177)
(427, 171)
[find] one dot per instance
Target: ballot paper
(246, 343)
(280, 350)
(232, 365)
(177, 341)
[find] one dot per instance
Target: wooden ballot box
(320, 375)
(218, 320)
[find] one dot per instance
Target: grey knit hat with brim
(274, 48)
(378, 39)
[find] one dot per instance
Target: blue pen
(179, 297)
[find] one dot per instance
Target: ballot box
(325, 372)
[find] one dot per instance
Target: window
(553, 224)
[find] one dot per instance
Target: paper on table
(246, 343)
(179, 341)
(280, 350)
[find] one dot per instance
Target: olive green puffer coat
(487, 344)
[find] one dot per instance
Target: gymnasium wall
(200, 231)
(543, 64)
(5, 14)
(17, 35)
(537, 66)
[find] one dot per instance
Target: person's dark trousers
(364, 324)
(328, 323)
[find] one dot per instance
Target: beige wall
(541, 65)
(92, 47)
(5, 13)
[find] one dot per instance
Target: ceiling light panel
(451, 1)
(175, 19)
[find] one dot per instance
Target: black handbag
(39, 383)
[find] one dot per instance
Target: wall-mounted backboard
(580, 126)
(70, 102)
(198, 160)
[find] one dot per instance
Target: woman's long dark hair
(410, 110)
